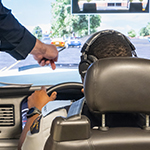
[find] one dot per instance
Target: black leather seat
(112, 85)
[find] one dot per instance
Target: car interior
(12, 110)
(110, 86)
(114, 88)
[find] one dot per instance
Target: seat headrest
(119, 84)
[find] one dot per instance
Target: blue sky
(38, 12)
(31, 13)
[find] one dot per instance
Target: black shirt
(15, 39)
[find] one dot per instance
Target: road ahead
(142, 47)
(72, 55)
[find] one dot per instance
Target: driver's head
(103, 44)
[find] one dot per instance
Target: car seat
(111, 85)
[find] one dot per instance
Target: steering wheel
(67, 90)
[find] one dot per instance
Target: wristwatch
(32, 111)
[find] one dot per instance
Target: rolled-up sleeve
(15, 39)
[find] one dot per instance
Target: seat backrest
(118, 85)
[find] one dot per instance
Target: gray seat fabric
(113, 85)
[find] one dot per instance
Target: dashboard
(13, 107)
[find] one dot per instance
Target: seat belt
(76, 108)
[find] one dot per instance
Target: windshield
(52, 22)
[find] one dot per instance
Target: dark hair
(110, 45)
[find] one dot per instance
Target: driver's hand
(40, 98)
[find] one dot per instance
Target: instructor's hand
(45, 54)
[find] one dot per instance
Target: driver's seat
(112, 85)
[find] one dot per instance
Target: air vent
(7, 115)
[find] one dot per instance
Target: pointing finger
(43, 88)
